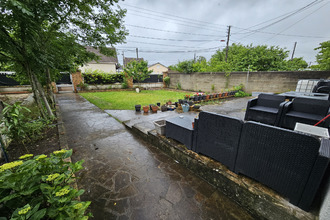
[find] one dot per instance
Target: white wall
(105, 67)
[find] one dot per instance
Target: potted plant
(163, 108)
(145, 109)
(138, 108)
(186, 97)
(82, 86)
(154, 108)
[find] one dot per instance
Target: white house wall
(157, 69)
(108, 68)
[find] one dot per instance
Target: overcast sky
(168, 31)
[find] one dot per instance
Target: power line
(296, 12)
(169, 39)
(272, 33)
(177, 32)
(183, 24)
(182, 18)
(284, 18)
(141, 42)
(298, 21)
(171, 51)
(286, 15)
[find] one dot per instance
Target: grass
(126, 100)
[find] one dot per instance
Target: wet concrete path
(127, 178)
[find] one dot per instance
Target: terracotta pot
(154, 108)
(146, 109)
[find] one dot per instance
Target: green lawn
(122, 100)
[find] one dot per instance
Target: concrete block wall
(253, 81)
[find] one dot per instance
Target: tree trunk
(43, 96)
(36, 95)
(50, 89)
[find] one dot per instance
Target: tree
(243, 58)
(323, 56)
(138, 70)
(42, 37)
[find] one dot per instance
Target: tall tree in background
(323, 56)
(41, 38)
(242, 58)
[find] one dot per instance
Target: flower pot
(163, 108)
(196, 107)
(154, 108)
(176, 104)
(146, 109)
(138, 108)
(158, 104)
(185, 108)
(160, 127)
(190, 103)
(180, 101)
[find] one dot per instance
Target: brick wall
(76, 79)
(253, 81)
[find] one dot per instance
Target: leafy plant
(82, 86)
(178, 86)
(17, 125)
(242, 94)
(138, 70)
(40, 187)
(167, 81)
(124, 85)
(212, 87)
(101, 77)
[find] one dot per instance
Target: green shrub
(167, 81)
(124, 85)
(178, 86)
(40, 187)
(18, 126)
(100, 77)
(242, 94)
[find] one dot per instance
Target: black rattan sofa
(291, 163)
(305, 110)
(267, 109)
(218, 137)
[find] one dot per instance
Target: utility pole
(294, 49)
(137, 53)
(123, 60)
(227, 47)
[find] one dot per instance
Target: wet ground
(127, 178)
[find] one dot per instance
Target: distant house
(106, 64)
(157, 68)
(128, 59)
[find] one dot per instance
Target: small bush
(40, 188)
(167, 81)
(242, 94)
(179, 86)
(100, 77)
(124, 85)
(19, 127)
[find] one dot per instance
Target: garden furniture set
(264, 147)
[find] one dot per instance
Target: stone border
(63, 139)
(259, 200)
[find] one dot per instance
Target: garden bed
(46, 145)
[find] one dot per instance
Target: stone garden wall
(276, 82)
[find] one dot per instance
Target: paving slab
(127, 178)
